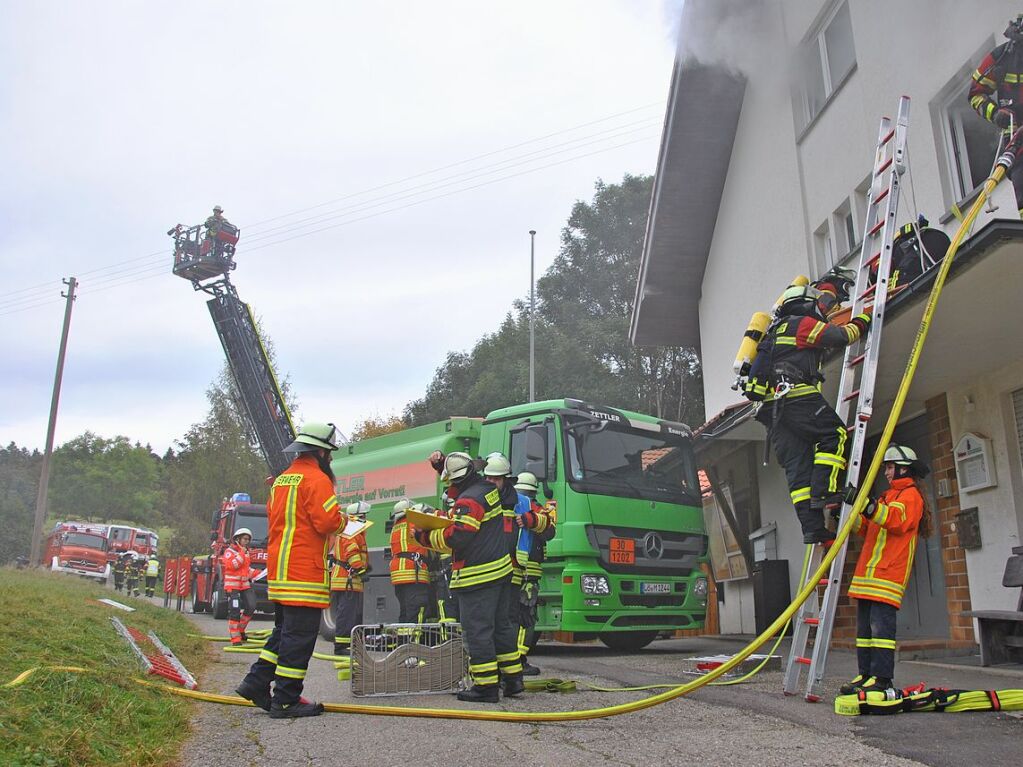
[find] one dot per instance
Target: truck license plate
(623, 551)
(654, 588)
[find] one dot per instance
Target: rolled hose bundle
(934, 699)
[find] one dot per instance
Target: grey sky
(118, 120)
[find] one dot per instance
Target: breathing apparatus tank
(755, 332)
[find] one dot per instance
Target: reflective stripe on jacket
(405, 567)
(350, 557)
(153, 567)
(238, 570)
(302, 514)
(886, 561)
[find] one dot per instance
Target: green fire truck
(624, 566)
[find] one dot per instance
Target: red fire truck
(123, 538)
(77, 548)
(207, 578)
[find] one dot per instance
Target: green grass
(100, 718)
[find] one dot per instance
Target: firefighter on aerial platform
(480, 576)
(536, 525)
(350, 558)
(238, 575)
(410, 573)
(213, 224)
(996, 93)
(890, 525)
(302, 515)
(785, 378)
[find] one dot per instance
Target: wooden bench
(1001, 631)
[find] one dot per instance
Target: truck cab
(78, 549)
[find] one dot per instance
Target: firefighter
(213, 224)
(302, 514)
(120, 567)
(804, 430)
(440, 573)
(350, 559)
(996, 92)
(152, 573)
(131, 573)
(539, 522)
(480, 577)
(890, 526)
(238, 575)
(410, 574)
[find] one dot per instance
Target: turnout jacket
(886, 560)
(478, 539)
(238, 569)
(351, 561)
(408, 556)
(302, 514)
(997, 83)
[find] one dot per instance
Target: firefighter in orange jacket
(890, 526)
(350, 559)
(238, 575)
(410, 574)
(996, 92)
(302, 514)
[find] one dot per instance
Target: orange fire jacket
(354, 553)
(886, 560)
(302, 514)
(238, 569)
(405, 568)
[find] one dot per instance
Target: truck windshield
(85, 540)
(256, 522)
(612, 459)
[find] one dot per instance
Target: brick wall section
(953, 556)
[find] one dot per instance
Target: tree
(103, 479)
(376, 426)
(19, 484)
(585, 303)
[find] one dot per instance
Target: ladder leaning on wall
(855, 394)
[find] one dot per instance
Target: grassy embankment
(99, 718)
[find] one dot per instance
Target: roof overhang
(696, 147)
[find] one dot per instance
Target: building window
(970, 143)
(823, 249)
(1017, 411)
(846, 225)
(827, 58)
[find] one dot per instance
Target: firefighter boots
(853, 685)
(295, 710)
(258, 696)
(478, 693)
(513, 685)
(528, 669)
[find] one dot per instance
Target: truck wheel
(327, 624)
(197, 606)
(627, 640)
(218, 605)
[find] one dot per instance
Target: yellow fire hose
(862, 497)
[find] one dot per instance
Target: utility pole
(532, 315)
(44, 477)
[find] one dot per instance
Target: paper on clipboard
(427, 521)
(354, 527)
(260, 577)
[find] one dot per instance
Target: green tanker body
(625, 563)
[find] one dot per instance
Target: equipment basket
(408, 658)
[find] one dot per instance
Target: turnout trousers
(488, 631)
(347, 607)
(875, 638)
(150, 585)
(809, 440)
(240, 607)
(413, 602)
(284, 658)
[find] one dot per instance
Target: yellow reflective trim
(289, 672)
(269, 657)
(288, 537)
(330, 504)
(884, 644)
(875, 556)
(864, 642)
(493, 497)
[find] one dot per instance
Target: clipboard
(354, 527)
(427, 521)
(261, 576)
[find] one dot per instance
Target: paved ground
(738, 725)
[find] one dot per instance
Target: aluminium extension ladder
(855, 395)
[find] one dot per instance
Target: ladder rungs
(812, 621)
(882, 195)
(857, 360)
(804, 661)
(851, 396)
(868, 292)
(876, 228)
(886, 166)
(823, 582)
(888, 138)
(872, 260)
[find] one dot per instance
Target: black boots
(528, 669)
(853, 684)
(295, 710)
(513, 686)
(489, 693)
(259, 696)
(819, 536)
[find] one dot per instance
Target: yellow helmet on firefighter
(457, 466)
(400, 508)
(527, 482)
(497, 466)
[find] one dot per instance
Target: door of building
(924, 612)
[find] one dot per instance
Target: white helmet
(400, 508)
(900, 454)
(357, 509)
(240, 532)
(497, 466)
(456, 466)
(423, 508)
(527, 481)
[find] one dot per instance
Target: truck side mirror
(537, 450)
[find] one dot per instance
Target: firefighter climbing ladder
(856, 388)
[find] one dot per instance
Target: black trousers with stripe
(413, 602)
(285, 656)
(347, 606)
(487, 629)
(875, 638)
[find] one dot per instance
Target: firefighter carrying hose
(302, 514)
(996, 92)
(410, 574)
(890, 525)
(238, 575)
(804, 430)
(536, 525)
(480, 576)
(350, 560)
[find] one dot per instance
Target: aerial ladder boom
(205, 257)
